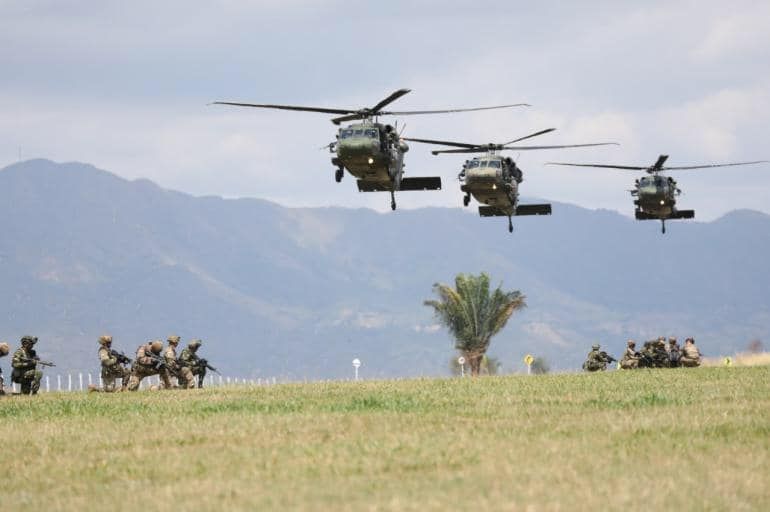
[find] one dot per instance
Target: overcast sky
(125, 86)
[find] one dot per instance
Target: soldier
(190, 359)
(24, 364)
(630, 359)
(674, 353)
(112, 368)
(4, 349)
(596, 360)
(148, 362)
(691, 354)
(183, 373)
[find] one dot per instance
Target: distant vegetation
(474, 313)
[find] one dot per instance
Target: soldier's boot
(133, 382)
(186, 378)
(25, 387)
(165, 379)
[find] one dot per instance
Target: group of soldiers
(654, 354)
(188, 370)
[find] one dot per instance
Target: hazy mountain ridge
(279, 291)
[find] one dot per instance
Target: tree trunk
(474, 360)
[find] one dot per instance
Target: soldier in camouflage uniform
(24, 364)
(190, 359)
(630, 359)
(4, 349)
(144, 366)
(596, 360)
(674, 353)
(183, 373)
(690, 354)
(111, 367)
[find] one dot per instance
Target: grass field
(646, 440)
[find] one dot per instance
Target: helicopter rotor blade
(600, 166)
(390, 99)
(658, 165)
(450, 111)
(474, 149)
(542, 132)
(351, 117)
(287, 107)
(443, 143)
(710, 166)
(527, 148)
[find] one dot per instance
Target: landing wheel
(663, 227)
(392, 201)
(338, 175)
(510, 225)
(466, 200)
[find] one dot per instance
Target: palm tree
(473, 315)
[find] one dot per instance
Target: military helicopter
(373, 152)
(655, 195)
(493, 180)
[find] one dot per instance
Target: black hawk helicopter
(655, 195)
(493, 180)
(371, 151)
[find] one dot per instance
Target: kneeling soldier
(630, 360)
(691, 355)
(183, 373)
(112, 366)
(24, 364)
(189, 358)
(4, 349)
(596, 360)
(148, 362)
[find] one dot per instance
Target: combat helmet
(595, 346)
(195, 344)
(4, 349)
(105, 339)
(28, 340)
(174, 339)
(631, 343)
(156, 346)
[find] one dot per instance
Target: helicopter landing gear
(466, 199)
(392, 200)
(338, 175)
(510, 225)
(663, 226)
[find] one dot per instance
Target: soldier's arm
(21, 361)
(106, 359)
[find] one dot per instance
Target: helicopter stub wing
(421, 183)
(491, 211)
(533, 209)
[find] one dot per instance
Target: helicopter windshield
(473, 163)
(372, 134)
(346, 134)
(494, 163)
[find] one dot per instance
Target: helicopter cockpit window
(372, 134)
(345, 134)
(473, 163)
(358, 133)
(494, 163)
(483, 163)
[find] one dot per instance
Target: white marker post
(528, 360)
(356, 365)
(461, 362)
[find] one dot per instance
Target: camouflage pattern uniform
(4, 349)
(145, 367)
(630, 359)
(111, 368)
(595, 360)
(674, 353)
(25, 370)
(691, 354)
(190, 359)
(183, 373)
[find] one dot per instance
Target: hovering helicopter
(655, 195)
(493, 179)
(371, 151)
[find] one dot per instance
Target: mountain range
(299, 292)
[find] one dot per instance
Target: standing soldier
(112, 366)
(148, 362)
(24, 364)
(183, 373)
(189, 358)
(691, 355)
(4, 349)
(630, 359)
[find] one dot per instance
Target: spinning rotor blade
(601, 166)
(449, 111)
(715, 165)
(658, 165)
(390, 99)
(542, 132)
(351, 117)
(288, 107)
(526, 148)
(443, 143)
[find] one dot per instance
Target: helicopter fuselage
(656, 196)
(492, 180)
(370, 152)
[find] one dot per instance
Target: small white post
(101, 385)
(461, 362)
(80, 378)
(69, 382)
(47, 384)
(13, 388)
(58, 383)
(220, 380)
(273, 380)
(89, 380)
(228, 381)
(356, 365)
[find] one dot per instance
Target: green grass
(646, 440)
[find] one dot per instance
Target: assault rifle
(607, 357)
(200, 362)
(158, 362)
(36, 360)
(120, 356)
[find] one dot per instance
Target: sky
(127, 86)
